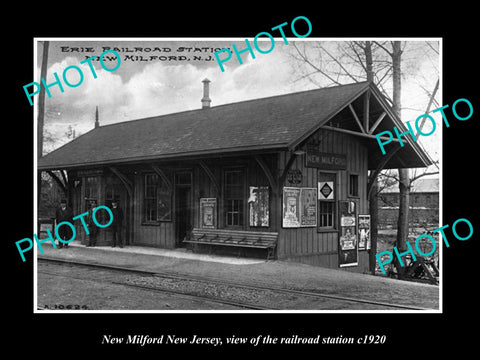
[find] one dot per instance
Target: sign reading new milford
(327, 161)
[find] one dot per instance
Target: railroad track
(149, 280)
(150, 288)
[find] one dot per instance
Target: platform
(256, 272)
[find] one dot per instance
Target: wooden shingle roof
(262, 124)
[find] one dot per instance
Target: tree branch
(351, 44)
(431, 47)
(424, 174)
(306, 60)
(339, 64)
(383, 47)
(428, 106)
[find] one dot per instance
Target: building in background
(424, 205)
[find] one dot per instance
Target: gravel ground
(84, 288)
(271, 273)
(60, 292)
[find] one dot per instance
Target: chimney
(97, 124)
(206, 99)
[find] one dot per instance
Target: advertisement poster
(208, 211)
(308, 207)
(363, 232)
(258, 204)
(348, 243)
(291, 207)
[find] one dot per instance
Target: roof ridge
(156, 117)
(255, 124)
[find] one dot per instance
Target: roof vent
(97, 123)
(206, 99)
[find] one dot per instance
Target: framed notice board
(208, 213)
(258, 205)
(291, 207)
(348, 236)
(308, 207)
(363, 232)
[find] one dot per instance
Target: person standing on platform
(116, 225)
(92, 227)
(63, 213)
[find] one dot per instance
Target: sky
(164, 76)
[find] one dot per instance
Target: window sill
(151, 223)
(327, 230)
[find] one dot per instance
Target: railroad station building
(283, 176)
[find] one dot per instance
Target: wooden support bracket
(356, 118)
(377, 122)
(63, 185)
(164, 177)
(210, 175)
(288, 165)
(271, 179)
(127, 183)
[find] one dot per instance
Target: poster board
(258, 205)
(208, 213)
(308, 207)
(291, 207)
(299, 207)
(363, 232)
(348, 237)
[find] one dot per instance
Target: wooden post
(366, 111)
(356, 118)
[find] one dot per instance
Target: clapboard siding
(254, 176)
(307, 244)
(163, 234)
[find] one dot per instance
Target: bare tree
(404, 180)
(41, 114)
(41, 101)
(381, 63)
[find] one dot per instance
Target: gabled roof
(269, 123)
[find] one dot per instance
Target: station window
(91, 187)
(327, 200)
(234, 195)
(353, 185)
(157, 200)
(150, 197)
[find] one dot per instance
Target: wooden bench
(50, 221)
(235, 238)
